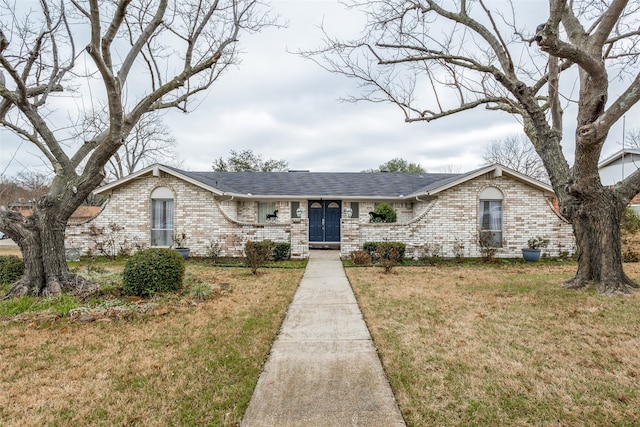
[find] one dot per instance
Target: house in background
(435, 211)
(617, 167)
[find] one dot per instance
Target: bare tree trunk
(45, 267)
(597, 231)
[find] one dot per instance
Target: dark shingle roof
(321, 184)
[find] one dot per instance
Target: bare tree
(24, 189)
(247, 160)
(517, 153)
(10, 191)
(142, 56)
(150, 141)
(451, 168)
(632, 139)
(434, 59)
(34, 184)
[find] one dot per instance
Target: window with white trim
(162, 217)
(491, 215)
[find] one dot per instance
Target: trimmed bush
(386, 210)
(360, 257)
(257, 254)
(388, 256)
(153, 271)
(372, 248)
(281, 251)
(11, 268)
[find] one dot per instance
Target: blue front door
(324, 220)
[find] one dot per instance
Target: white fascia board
(491, 168)
(618, 155)
(151, 169)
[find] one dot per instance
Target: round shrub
(386, 210)
(153, 271)
(281, 251)
(11, 268)
(630, 220)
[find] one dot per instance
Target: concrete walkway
(323, 369)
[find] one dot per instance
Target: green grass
(59, 306)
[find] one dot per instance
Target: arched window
(491, 216)
(162, 217)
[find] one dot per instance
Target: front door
(324, 220)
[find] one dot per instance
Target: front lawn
(191, 358)
(503, 345)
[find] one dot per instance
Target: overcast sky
(285, 107)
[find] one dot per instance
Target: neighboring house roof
(357, 185)
(617, 156)
(84, 213)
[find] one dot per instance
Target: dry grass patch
(503, 345)
(186, 362)
(10, 250)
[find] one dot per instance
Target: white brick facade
(448, 218)
(452, 218)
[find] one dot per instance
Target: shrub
(281, 251)
(153, 271)
(388, 255)
(214, 250)
(110, 241)
(630, 220)
(629, 255)
(372, 248)
(458, 250)
(488, 245)
(537, 243)
(11, 268)
(432, 254)
(257, 254)
(360, 257)
(386, 210)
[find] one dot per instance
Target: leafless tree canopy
(517, 153)
(433, 59)
(125, 58)
(150, 141)
(61, 60)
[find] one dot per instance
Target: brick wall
(197, 213)
(446, 220)
(451, 218)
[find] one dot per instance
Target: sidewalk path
(323, 369)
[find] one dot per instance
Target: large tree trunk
(45, 268)
(596, 225)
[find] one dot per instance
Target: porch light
(349, 212)
(299, 212)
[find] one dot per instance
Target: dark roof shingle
(319, 184)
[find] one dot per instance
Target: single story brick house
(440, 212)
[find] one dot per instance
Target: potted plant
(180, 244)
(534, 247)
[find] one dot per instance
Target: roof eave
(312, 197)
(155, 169)
(617, 155)
(498, 171)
